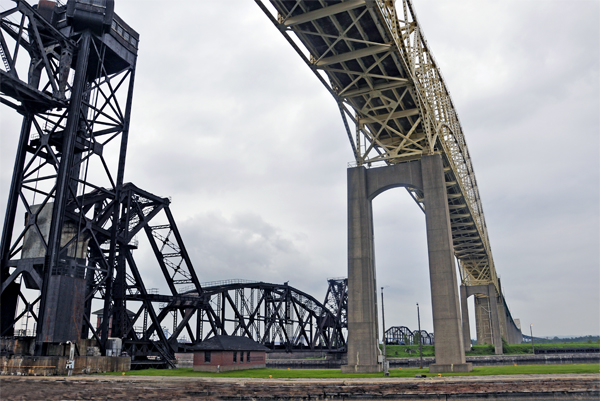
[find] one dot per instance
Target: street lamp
(385, 367)
(531, 332)
(420, 339)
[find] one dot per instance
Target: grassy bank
(411, 351)
(334, 373)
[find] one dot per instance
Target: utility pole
(385, 367)
(420, 339)
(531, 332)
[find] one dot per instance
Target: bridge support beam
(493, 297)
(363, 185)
(486, 315)
(464, 306)
(447, 324)
(363, 344)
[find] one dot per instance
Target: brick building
(224, 353)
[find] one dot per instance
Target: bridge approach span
(374, 60)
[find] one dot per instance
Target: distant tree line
(583, 339)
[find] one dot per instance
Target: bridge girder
(376, 63)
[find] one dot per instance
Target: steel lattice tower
(76, 104)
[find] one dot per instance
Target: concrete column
(447, 324)
(495, 319)
(363, 347)
(465, 317)
(514, 332)
(502, 312)
(482, 320)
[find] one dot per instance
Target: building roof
(229, 343)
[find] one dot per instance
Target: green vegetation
(516, 349)
(555, 340)
(408, 351)
(335, 373)
(412, 351)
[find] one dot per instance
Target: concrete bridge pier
(447, 324)
(466, 327)
(487, 316)
(364, 185)
(363, 343)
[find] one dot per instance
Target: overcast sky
(230, 123)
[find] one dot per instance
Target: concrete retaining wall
(302, 355)
(492, 360)
(56, 365)
(303, 364)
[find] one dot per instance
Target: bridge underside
(396, 109)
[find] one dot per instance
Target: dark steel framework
(402, 335)
(69, 71)
(278, 316)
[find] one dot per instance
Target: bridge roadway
(374, 60)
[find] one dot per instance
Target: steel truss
(73, 84)
(278, 316)
(395, 106)
(138, 313)
(74, 89)
(402, 335)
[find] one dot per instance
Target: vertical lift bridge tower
(69, 71)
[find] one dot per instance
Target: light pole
(420, 340)
(531, 332)
(27, 323)
(385, 368)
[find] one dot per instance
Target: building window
(206, 357)
(241, 357)
(248, 357)
(235, 357)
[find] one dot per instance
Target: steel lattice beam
(378, 66)
(276, 315)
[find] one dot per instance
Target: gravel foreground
(473, 388)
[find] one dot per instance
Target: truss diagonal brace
(397, 83)
(397, 114)
(324, 12)
(367, 51)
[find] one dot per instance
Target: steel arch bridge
(403, 335)
(376, 63)
(278, 316)
(373, 58)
